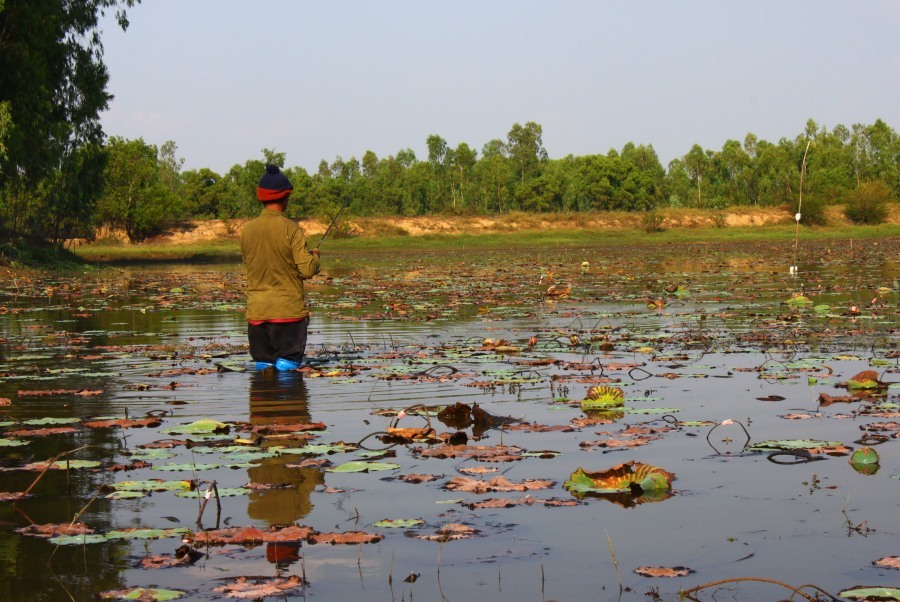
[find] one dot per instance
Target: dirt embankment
(212, 230)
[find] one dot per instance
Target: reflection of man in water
(280, 398)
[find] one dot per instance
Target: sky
(225, 79)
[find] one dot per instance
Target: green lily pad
(864, 455)
(788, 444)
(399, 523)
(143, 593)
(152, 485)
(630, 477)
(147, 533)
(48, 421)
(871, 593)
(185, 467)
(12, 442)
(223, 492)
(77, 540)
(603, 397)
(127, 495)
(363, 467)
(63, 464)
(199, 427)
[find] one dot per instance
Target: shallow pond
(736, 380)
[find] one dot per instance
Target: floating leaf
(799, 300)
(630, 477)
(662, 571)
(363, 467)
(144, 594)
(399, 523)
(871, 593)
(256, 588)
(811, 445)
(147, 533)
(867, 379)
(200, 427)
(77, 540)
(601, 397)
(223, 492)
(12, 442)
(63, 465)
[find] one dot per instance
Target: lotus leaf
(788, 444)
(146, 533)
(199, 427)
(152, 485)
(77, 540)
(799, 300)
(601, 397)
(64, 464)
(864, 455)
(871, 593)
(142, 593)
(363, 467)
(629, 477)
(12, 442)
(867, 379)
(126, 495)
(223, 492)
(399, 523)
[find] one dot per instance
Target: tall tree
(52, 90)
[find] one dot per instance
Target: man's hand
(315, 252)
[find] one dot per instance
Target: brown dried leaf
(348, 537)
(41, 393)
(483, 453)
(418, 478)
(246, 588)
(494, 485)
(888, 562)
(662, 571)
(124, 423)
(478, 469)
(53, 430)
(53, 530)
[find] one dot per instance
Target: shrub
(652, 221)
(869, 203)
(720, 220)
(812, 212)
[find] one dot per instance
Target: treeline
(61, 177)
(142, 187)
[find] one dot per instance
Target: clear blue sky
(316, 80)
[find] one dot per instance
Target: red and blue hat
(274, 185)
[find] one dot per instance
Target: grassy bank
(221, 250)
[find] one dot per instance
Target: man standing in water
(277, 261)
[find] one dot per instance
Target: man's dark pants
(270, 341)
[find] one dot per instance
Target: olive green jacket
(276, 261)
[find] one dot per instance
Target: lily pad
(205, 426)
(399, 523)
(142, 593)
(871, 593)
(629, 477)
(602, 397)
(363, 467)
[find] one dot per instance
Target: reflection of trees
(280, 398)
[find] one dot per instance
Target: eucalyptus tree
(526, 148)
(697, 163)
(494, 172)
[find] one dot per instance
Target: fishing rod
(333, 221)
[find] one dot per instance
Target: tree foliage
(52, 90)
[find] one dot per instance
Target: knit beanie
(273, 186)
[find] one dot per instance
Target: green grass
(525, 239)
